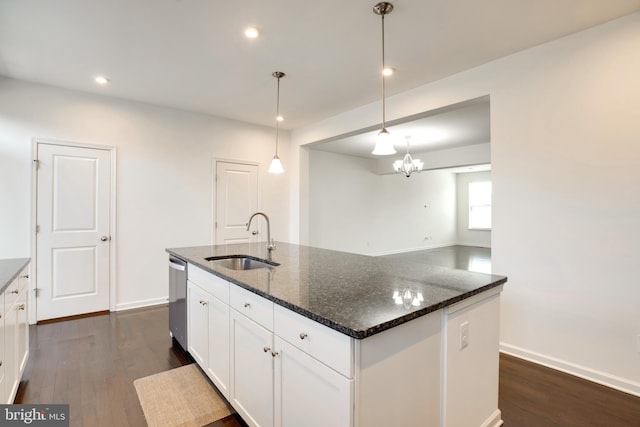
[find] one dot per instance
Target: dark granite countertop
(9, 270)
(350, 293)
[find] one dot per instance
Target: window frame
(480, 205)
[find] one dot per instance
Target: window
(480, 205)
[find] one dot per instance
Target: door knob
(104, 238)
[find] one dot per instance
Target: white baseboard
(141, 303)
(421, 248)
(476, 245)
(495, 420)
(599, 377)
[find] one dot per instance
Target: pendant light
(384, 145)
(408, 165)
(276, 164)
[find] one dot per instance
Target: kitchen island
(342, 339)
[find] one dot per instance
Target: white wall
(565, 167)
(354, 209)
(164, 174)
(465, 236)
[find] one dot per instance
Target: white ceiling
(192, 55)
(459, 125)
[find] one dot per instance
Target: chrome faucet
(270, 245)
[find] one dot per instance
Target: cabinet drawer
(253, 306)
(211, 283)
(325, 344)
(14, 289)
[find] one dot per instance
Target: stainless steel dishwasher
(178, 300)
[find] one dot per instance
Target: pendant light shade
(384, 145)
(276, 165)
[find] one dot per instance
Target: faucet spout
(270, 245)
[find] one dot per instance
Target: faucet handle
(272, 245)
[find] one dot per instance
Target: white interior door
(73, 208)
(236, 200)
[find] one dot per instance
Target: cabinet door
(251, 392)
(307, 392)
(11, 379)
(22, 332)
(218, 368)
(198, 327)
(3, 361)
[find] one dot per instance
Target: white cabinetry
(15, 335)
(208, 325)
(198, 324)
(287, 384)
(313, 373)
(309, 393)
(471, 371)
(251, 371)
(285, 370)
(3, 353)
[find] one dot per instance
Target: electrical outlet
(464, 335)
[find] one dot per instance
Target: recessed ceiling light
(251, 32)
(102, 80)
(279, 118)
(388, 71)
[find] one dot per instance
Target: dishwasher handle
(174, 265)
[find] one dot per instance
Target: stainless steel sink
(241, 262)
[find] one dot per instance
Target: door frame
(214, 188)
(35, 141)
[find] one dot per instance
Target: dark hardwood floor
(536, 396)
(91, 363)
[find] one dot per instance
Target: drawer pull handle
(15, 291)
(266, 349)
(303, 335)
(21, 307)
(203, 302)
(247, 305)
(26, 276)
(274, 353)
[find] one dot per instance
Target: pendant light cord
(384, 125)
(277, 115)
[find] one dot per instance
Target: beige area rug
(179, 397)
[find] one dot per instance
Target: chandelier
(408, 164)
